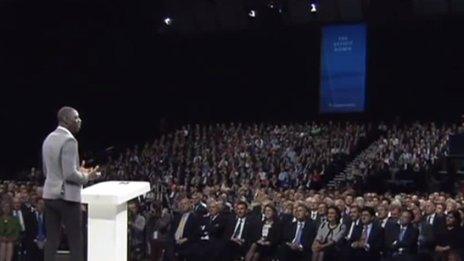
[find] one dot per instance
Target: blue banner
(343, 68)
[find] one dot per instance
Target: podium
(107, 218)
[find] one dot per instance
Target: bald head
(68, 118)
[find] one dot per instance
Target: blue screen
(343, 68)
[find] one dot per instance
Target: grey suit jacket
(60, 155)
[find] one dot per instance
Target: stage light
(167, 21)
(313, 4)
(313, 8)
(252, 13)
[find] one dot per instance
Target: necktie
(18, 215)
(299, 229)
(351, 230)
(237, 229)
(363, 238)
(402, 232)
(180, 228)
(40, 223)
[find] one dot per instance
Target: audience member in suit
(382, 216)
(355, 214)
(214, 225)
(20, 212)
(392, 227)
(426, 240)
(312, 205)
(313, 215)
(367, 241)
(199, 208)
(405, 245)
(158, 228)
(432, 224)
(345, 216)
(436, 220)
(241, 232)
(36, 233)
(450, 241)
(270, 236)
(186, 232)
(326, 245)
(298, 236)
(321, 214)
(349, 200)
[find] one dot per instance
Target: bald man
(64, 179)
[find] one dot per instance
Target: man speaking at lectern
(63, 185)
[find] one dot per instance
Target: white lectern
(107, 218)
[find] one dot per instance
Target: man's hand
(295, 247)
(357, 244)
(91, 173)
(442, 249)
(181, 241)
(237, 241)
(317, 247)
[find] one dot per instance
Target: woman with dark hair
(449, 240)
(269, 239)
(329, 234)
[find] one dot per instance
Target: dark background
(132, 79)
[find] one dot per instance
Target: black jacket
(274, 235)
(215, 228)
(374, 241)
(307, 236)
(191, 229)
(408, 244)
(250, 232)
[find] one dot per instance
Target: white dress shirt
(19, 215)
(241, 222)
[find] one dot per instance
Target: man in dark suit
(430, 225)
(298, 236)
(241, 232)
(406, 235)
(63, 185)
(382, 216)
(321, 214)
(199, 208)
(367, 239)
(434, 219)
(426, 240)
(346, 217)
(20, 212)
(186, 232)
(36, 234)
(391, 228)
(352, 227)
(213, 228)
